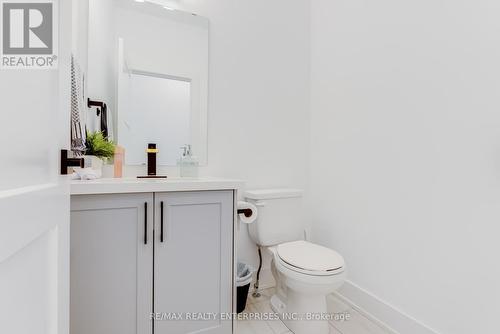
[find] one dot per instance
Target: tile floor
(357, 323)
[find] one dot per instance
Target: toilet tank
(280, 216)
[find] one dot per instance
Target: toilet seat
(308, 258)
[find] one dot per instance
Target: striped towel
(77, 108)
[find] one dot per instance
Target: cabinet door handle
(145, 223)
(161, 221)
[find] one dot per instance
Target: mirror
(149, 64)
(153, 109)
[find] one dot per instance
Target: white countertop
(135, 185)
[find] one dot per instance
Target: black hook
(98, 104)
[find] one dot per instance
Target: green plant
(96, 144)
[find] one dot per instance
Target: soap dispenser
(188, 163)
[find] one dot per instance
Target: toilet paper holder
(247, 212)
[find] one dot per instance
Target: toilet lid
(311, 257)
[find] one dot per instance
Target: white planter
(91, 161)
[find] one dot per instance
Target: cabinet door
(111, 264)
(193, 263)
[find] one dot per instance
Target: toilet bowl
(305, 273)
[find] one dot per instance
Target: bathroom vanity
(146, 250)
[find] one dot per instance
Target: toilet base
(300, 313)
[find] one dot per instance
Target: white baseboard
(370, 306)
(380, 312)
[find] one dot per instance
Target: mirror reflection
(154, 109)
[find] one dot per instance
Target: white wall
(406, 154)
(80, 32)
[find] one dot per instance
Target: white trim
(379, 311)
(26, 190)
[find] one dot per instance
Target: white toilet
(305, 273)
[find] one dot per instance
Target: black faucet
(152, 151)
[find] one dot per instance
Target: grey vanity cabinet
(111, 265)
(133, 255)
(193, 263)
